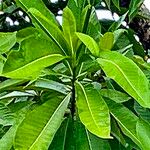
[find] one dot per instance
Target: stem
(73, 102)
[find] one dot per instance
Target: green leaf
(126, 119)
(39, 127)
(16, 94)
(6, 116)
(143, 133)
(7, 41)
(76, 6)
(107, 41)
(117, 24)
(29, 60)
(90, 43)
(144, 113)
(93, 111)
(6, 142)
(59, 140)
(10, 83)
(108, 3)
(127, 74)
(116, 3)
(50, 29)
(69, 27)
(134, 7)
(39, 5)
(52, 85)
(114, 95)
(27, 33)
(29, 69)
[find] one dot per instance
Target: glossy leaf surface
(93, 111)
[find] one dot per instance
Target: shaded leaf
(126, 119)
(39, 127)
(114, 95)
(52, 85)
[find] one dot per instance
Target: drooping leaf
(39, 127)
(52, 85)
(114, 95)
(123, 70)
(90, 43)
(126, 119)
(29, 60)
(93, 111)
(7, 41)
(9, 83)
(16, 94)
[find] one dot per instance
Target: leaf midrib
(88, 105)
(126, 129)
(53, 116)
(33, 62)
(125, 77)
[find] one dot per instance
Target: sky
(147, 4)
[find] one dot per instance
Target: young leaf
(39, 127)
(7, 41)
(127, 74)
(93, 111)
(107, 41)
(76, 7)
(69, 27)
(90, 43)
